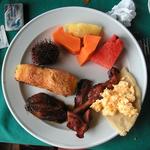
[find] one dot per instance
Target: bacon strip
(76, 123)
(80, 122)
(79, 119)
(83, 88)
(95, 91)
(87, 116)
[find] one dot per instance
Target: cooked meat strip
(83, 88)
(87, 116)
(95, 91)
(113, 71)
(83, 107)
(76, 123)
(79, 119)
(113, 77)
(80, 122)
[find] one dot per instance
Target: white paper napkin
(149, 5)
(3, 38)
(124, 12)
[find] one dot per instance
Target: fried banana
(57, 81)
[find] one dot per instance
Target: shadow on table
(26, 9)
(144, 119)
(9, 146)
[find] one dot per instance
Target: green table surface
(139, 137)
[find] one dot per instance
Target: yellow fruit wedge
(82, 29)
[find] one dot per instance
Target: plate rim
(5, 59)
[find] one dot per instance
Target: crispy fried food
(83, 88)
(57, 81)
(76, 123)
(94, 92)
(80, 122)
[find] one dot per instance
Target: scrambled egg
(119, 99)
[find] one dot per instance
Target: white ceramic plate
(19, 52)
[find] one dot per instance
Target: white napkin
(3, 37)
(124, 12)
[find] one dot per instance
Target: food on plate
(83, 88)
(120, 105)
(118, 98)
(80, 117)
(47, 107)
(45, 53)
(54, 80)
(109, 52)
(82, 29)
(90, 43)
(67, 40)
(94, 92)
(79, 122)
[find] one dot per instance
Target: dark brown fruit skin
(46, 107)
(45, 53)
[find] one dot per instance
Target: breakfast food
(118, 98)
(120, 105)
(54, 80)
(46, 107)
(90, 43)
(82, 29)
(70, 42)
(94, 92)
(79, 122)
(109, 52)
(83, 39)
(45, 53)
(80, 117)
(83, 88)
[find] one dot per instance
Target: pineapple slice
(82, 29)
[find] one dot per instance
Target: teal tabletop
(138, 138)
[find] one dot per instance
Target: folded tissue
(124, 12)
(3, 37)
